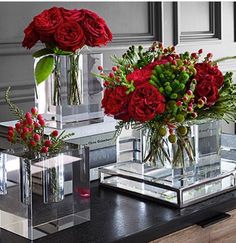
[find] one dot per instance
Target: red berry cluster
(29, 131)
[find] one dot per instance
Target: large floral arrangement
(29, 131)
(164, 91)
(64, 32)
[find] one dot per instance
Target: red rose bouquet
(164, 91)
(29, 131)
(64, 32)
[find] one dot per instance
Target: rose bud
(32, 143)
(100, 68)
(200, 51)
(34, 110)
(36, 125)
(30, 121)
(42, 122)
(165, 50)
(190, 108)
(25, 130)
(185, 98)
(10, 128)
(114, 69)
(204, 99)
(194, 55)
(160, 45)
(209, 55)
(25, 123)
(170, 58)
(200, 102)
(23, 135)
(174, 62)
(182, 68)
(111, 75)
(179, 103)
(190, 92)
(54, 133)
(10, 133)
(194, 114)
(18, 126)
(172, 49)
(39, 117)
(44, 150)
(106, 83)
(36, 137)
(48, 143)
(28, 115)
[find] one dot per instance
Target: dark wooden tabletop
(118, 217)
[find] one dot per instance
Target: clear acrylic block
(44, 195)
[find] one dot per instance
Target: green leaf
(43, 52)
(61, 52)
(43, 69)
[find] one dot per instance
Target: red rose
(47, 22)
(96, 31)
(146, 102)
(139, 76)
(209, 81)
(115, 103)
(204, 69)
(207, 88)
(73, 14)
(69, 36)
(31, 37)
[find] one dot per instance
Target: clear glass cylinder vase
(64, 98)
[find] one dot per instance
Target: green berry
(171, 104)
(168, 89)
(184, 77)
(162, 131)
(182, 130)
(153, 77)
(174, 96)
(167, 83)
(182, 86)
(158, 69)
(161, 89)
(172, 138)
(180, 118)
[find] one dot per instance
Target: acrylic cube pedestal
(43, 196)
(158, 184)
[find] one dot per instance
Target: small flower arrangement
(64, 32)
(164, 91)
(29, 131)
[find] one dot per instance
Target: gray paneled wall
(190, 25)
